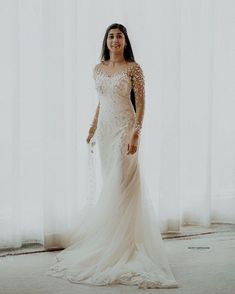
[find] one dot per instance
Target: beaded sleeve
(138, 85)
(95, 118)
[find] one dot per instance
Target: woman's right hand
(90, 135)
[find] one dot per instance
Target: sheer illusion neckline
(112, 75)
(117, 73)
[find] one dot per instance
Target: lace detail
(139, 90)
(134, 73)
(144, 280)
(95, 120)
(118, 240)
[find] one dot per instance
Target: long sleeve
(95, 120)
(138, 85)
(96, 116)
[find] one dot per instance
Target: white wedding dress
(118, 241)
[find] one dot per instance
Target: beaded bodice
(114, 94)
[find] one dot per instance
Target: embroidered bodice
(114, 94)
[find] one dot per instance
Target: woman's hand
(133, 145)
(90, 135)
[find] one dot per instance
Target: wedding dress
(118, 241)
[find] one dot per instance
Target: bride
(118, 240)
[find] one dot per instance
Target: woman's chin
(116, 50)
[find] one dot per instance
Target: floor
(202, 260)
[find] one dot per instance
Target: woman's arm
(139, 90)
(93, 124)
(95, 120)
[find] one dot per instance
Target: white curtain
(47, 52)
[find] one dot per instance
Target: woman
(119, 240)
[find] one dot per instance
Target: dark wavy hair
(127, 54)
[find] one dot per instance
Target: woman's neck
(116, 58)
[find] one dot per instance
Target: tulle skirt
(118, 240)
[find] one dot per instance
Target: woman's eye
(118, 36)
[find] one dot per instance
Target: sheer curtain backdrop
(47, 52)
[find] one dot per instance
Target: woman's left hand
(133, 145)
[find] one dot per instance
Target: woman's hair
(128, 53)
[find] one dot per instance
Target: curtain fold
(48, 98)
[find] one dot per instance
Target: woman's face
(116, 41)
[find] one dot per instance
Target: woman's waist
(118, 116)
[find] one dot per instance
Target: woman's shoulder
(97, 66)
(134, 65)
(135, 68)
(96, 69)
